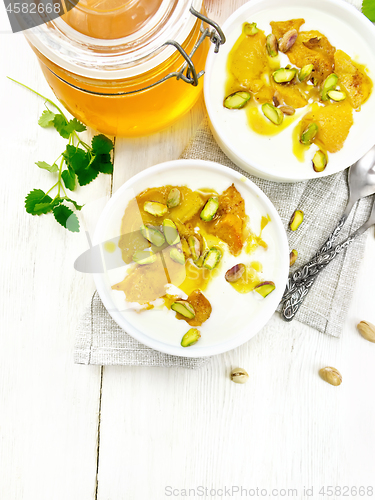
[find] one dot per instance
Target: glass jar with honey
(126, 68)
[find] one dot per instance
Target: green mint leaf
(103, 163)
(76, 158)
(36, 197)
(44, 208)
(69, 178)
(78, 207)
(368, 9)
(46, 119)
(66, 218)
(86, 175)
(101, 144)
(76, 125)
(62, 126)
(46, 166)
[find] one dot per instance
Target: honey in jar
(123, 68)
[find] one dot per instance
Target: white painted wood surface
(83, 433)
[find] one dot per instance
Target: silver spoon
(361, 181)
(321, 261)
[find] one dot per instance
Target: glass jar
(124, 68)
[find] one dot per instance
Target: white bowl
(235, 317)
(272, 157)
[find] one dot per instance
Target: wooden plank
(48, 406)
(285, 428)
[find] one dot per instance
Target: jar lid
(66, 41)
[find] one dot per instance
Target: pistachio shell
(367, 330)
(331, 375)
(239, 376)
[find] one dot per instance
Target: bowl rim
(231, 151)
(233, 342)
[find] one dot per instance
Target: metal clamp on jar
(130, 69)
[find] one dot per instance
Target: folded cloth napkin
(323, 200)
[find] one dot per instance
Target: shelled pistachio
(170, 232)
(210, 209)
(250, 29)
(195, 247)
(336, 95)
(296, 220)
(273, 114)
(190, 338)
(305, 72)
(329, 84)
(234, 273)
(265, 288)
(212, 258)
(237, 100)
(319, 161)
(308, 135)
(152, 235)
(293, 257)
(287, 110)
(184, 308)
(155, 208)
(174, 198)
(272, 45)
(177, 256)
(284, 75)
(288, 40)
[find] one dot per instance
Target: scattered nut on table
(367, 330)
(331, 375)
(239, 376)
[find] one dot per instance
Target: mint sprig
(78, 164)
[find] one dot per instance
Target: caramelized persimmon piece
(334, 121)
(353, 79)
(279, 28)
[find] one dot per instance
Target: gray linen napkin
(101, 341)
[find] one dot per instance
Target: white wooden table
(70, 432)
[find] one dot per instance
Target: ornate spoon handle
(297, 279)
(311, 270)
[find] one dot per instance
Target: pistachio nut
(184, 308)
(170, 232)
(143, 257)
(329, 84)
(265, 288)
(288, 40)
(296, 220)
(284, 75)
(152, 235)
(287, 110)
(308, 135)
(336, 95)
(237, 100)
(367, 330)
(174, 198)
(177, 256)
(305, 72)
(272, 45)
(155, 208)
(190, 338)
(195, 247)
(319, 161)
(293, 257)
(331, 375)
(234, 273)
(239, 376)
(250, 29)
(273, 114)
